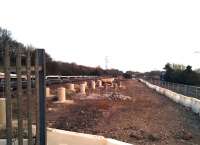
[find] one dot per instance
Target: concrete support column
(71, 87)
(120, 84)
(2, 113)
(85, 84)
(99, 83)
(82, 89)
(115, 85)
(93, 84)
(61, 94)
(112, 85)
(48, 94)
(106, 86)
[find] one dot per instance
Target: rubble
(118, 96)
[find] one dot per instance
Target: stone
(93, 84)
(82, 89)
(71, 87)
(48, 94)
(61, 94)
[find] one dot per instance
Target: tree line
(53, 67)
(180, 74)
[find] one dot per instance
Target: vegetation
(64, 68)
(53, 67)
(130, 74)
(155, 74)
(181, 74)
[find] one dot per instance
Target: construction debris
(117, 97)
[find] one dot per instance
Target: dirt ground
(147, 119)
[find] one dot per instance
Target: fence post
(40, 65)
(177, 88)
(8, 96)
(19, 97)
(196, 92)
(29, 97)
(37, 82)
(185, 90)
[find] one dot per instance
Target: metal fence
(34, 94)
(187, 90)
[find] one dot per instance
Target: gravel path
(148, 119)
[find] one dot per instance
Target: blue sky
(135, 35)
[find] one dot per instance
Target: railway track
(50, 80)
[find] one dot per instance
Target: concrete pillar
(99, 83)
(82, 88)
(85, 84)
(48, 94)
(71, 87)
(120, 84)
(115, 85)
(2, 113)
(61, 94)
(106, 86)
(112, 85)
(93, 84)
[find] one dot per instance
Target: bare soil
(147, 119)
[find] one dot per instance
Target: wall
(186, 101)
(61, 137)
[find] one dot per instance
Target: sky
(138, 35)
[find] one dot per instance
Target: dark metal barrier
(39, 81)
(187, 90)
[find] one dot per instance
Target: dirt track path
(150, 119)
